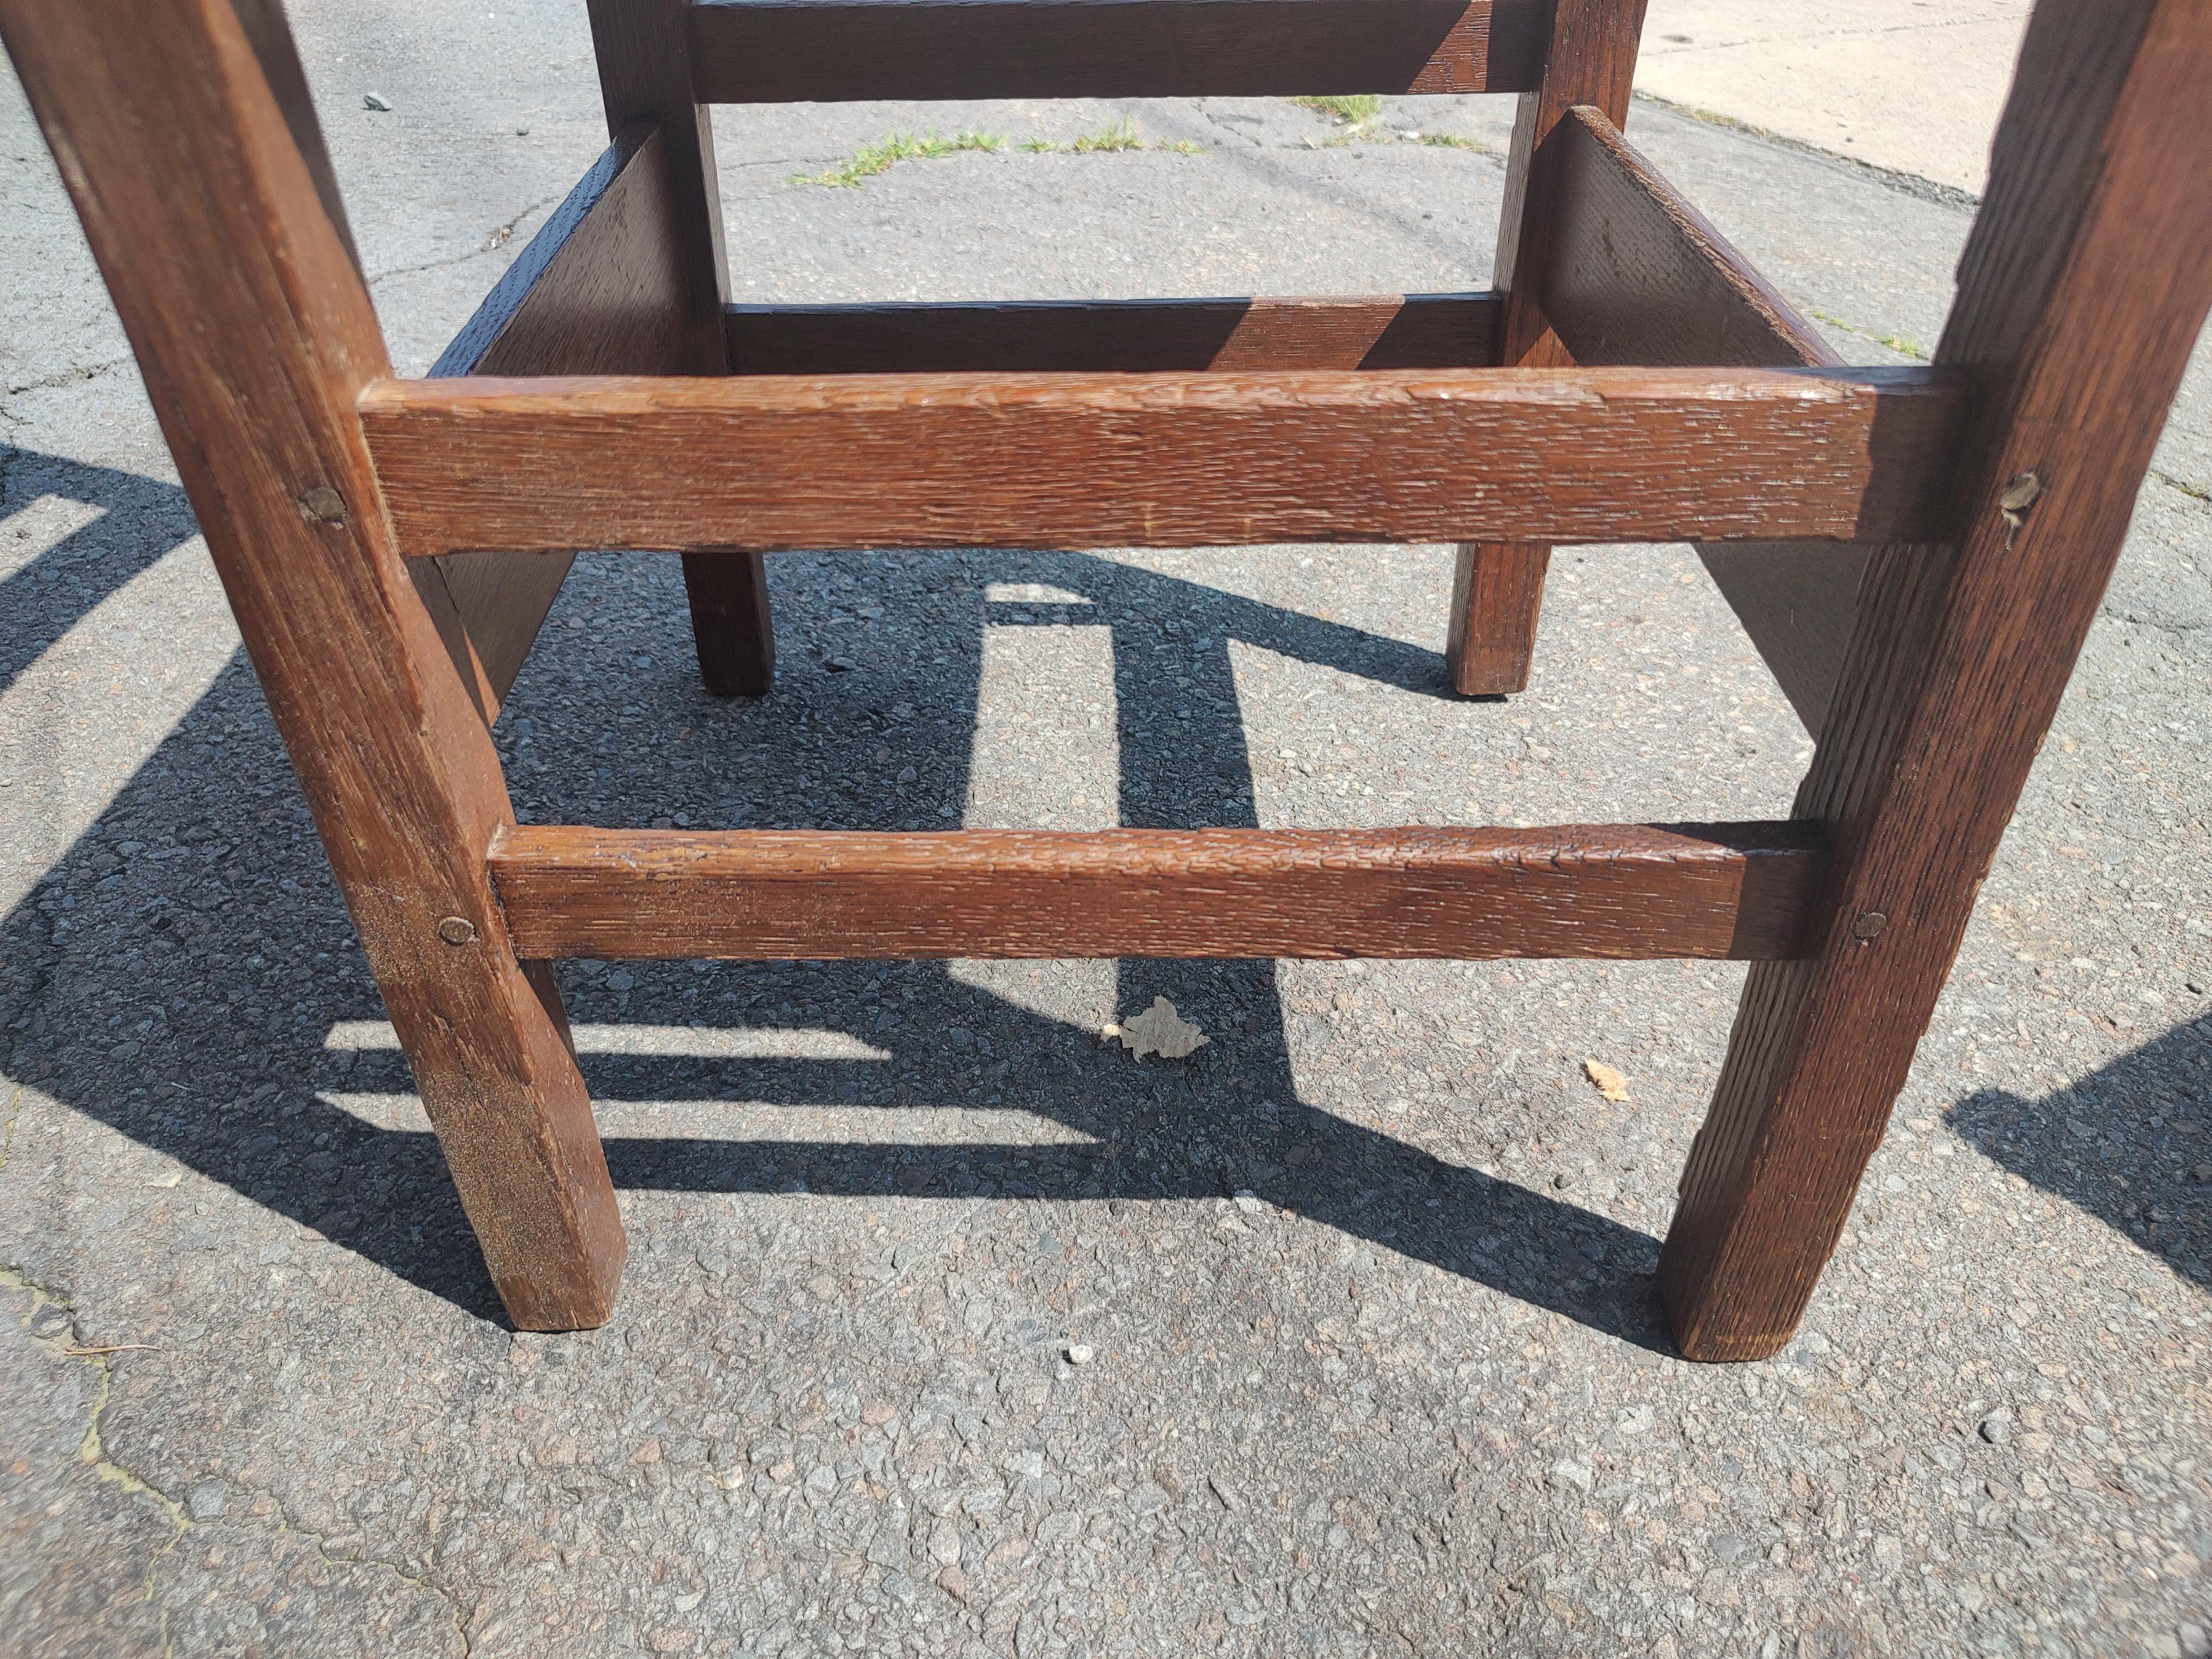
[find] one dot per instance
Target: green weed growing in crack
(92, 1451)
(1897, 343)
(1119, 136)
(881, 157)
(868, 161)
(1354, 110)
(1450, 141)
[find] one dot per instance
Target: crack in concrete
(67, 377)
(92, 1451)
(490, 245)
(2195, 492)
(2163, 624)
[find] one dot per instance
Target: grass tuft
(1120, 135)
(870, 160)
(1451, 141)
(1351, 109)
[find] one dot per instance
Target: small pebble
(1081, 1353)
(375, 100)
(207, 1501)
(1997, 1427)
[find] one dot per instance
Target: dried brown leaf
(1610, 1083)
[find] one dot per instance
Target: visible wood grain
(1412, 330)
(644, 49)
(1497, 594)
(1636, 275)
(779, 52)
(2082, 289)
(1589, 57)
(1612, 890)
(599, 290)
(255, 334)
(1174, 460)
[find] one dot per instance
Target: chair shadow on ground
(181, 974)
(2126, 1143)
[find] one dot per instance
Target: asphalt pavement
(949, 1327)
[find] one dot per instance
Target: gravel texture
(949, 1327)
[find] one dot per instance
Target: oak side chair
(1917, 552)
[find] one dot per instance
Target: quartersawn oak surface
(1608, 891)
(255, 333)
(2082, 289)
(781, 51)
(1173, 460)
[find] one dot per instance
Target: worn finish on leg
(1497, 591)
(256, 334)
(644, 49)
(2080, 294)
(1591, 59)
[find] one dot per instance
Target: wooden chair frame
(1917, 552)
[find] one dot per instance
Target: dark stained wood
(1589, 58)
(1497, 594)
(644, 49)
(255, 334)
(1636, 275)
(1175, 460)
(600, 287)
(731, 621)
(2082, 289)
(777, 51)
(599, 290)
(1592, 60)
(1612, 890)
(1412, 330)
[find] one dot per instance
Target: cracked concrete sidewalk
(1372, 1365)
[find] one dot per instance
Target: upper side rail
(773, 52)
(1188, 459)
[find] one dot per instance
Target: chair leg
(256, 335)
(1591, 59)
(2080, 294)
(1497, 592)
(730, 621)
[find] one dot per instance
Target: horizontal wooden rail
(1738, 890)
(1411, 330)
(1638, 276)
(1161, 460)
(773, 52)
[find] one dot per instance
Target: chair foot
(1496, 596)
(730, 621)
